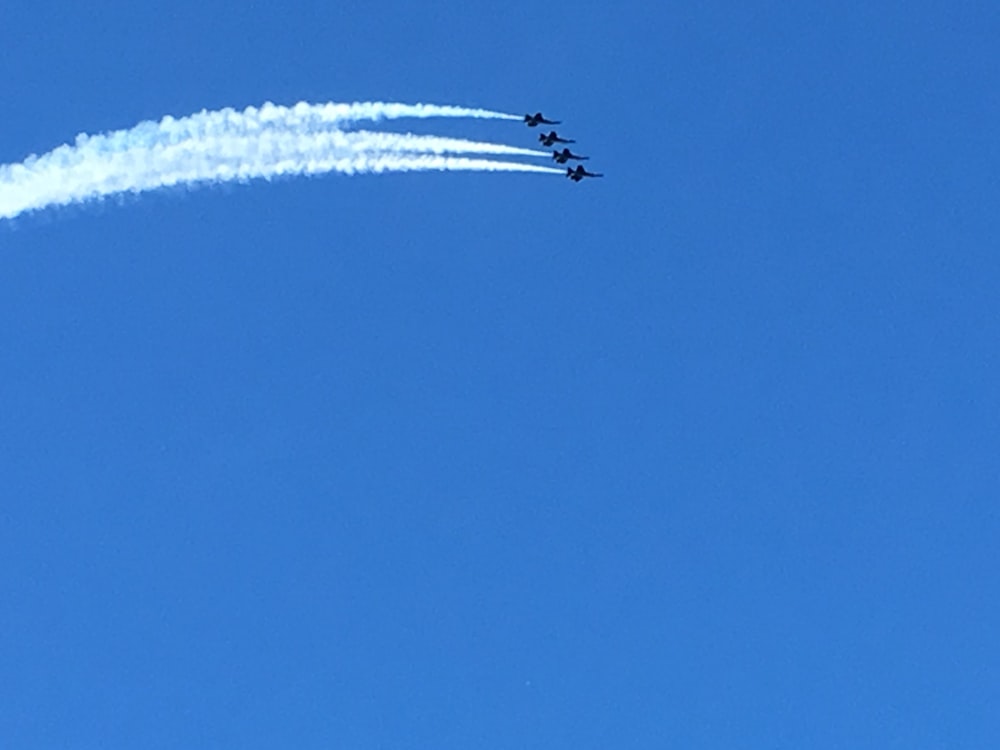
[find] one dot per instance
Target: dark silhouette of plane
(579, 173)
(537, 119)
(565, 155)
(552, 137)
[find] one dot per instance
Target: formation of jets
(561, 157)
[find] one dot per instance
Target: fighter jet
(579, 173)
(552, 137)
(537, 119)
(565, 155)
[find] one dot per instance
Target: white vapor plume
(260, 142)
(302, 117)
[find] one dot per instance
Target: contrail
(256, 143)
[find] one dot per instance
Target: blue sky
(702, 454)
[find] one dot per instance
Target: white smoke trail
(302, 117)
(226, 145)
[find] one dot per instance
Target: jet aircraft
(547, 139)
(537, 119)
(565, 155)
(579, 173)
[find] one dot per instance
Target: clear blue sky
(700, 455)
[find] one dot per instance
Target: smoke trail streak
(303, 117)
(99, 166)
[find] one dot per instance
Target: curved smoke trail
(302, 117)
(260, 142)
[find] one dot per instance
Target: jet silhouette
(547, 139)
(579, 173)
(537, 119)
(565, 155)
